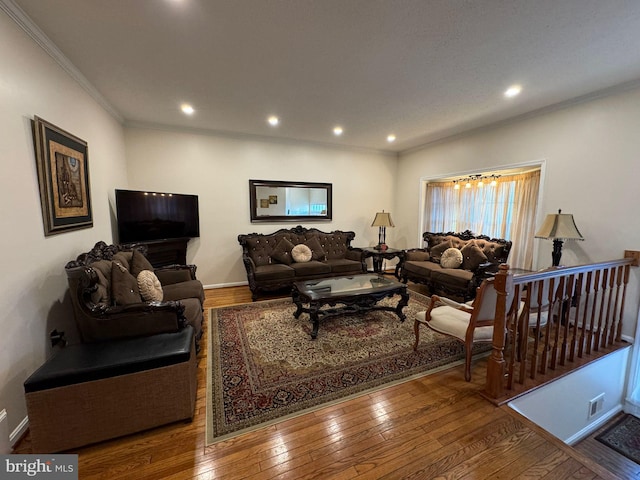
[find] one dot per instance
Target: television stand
(161, 253)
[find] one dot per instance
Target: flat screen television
(148, 216)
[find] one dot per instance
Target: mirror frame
(253, 201)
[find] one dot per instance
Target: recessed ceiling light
(187, 109)
(391, 138)
(513, 91)
(273, 121)
(337, 130)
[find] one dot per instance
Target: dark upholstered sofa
(270, 265)
(108, 304)
(480, 257)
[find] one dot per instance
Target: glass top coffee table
(353, 294)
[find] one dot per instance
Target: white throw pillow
(149, 286)
(451, 258)
(301, 253)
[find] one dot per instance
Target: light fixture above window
(391, 138)
(273, 121)
(337, 130)
(476, 180)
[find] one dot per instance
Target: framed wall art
(63, 176)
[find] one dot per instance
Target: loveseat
(468, 259)
(272, 264)
(111, 302)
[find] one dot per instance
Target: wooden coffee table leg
(313, 313)
(404, 301)
(295, 296)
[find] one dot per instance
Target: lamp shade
(382, 219)
(559, 226)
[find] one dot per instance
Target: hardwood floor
(433, 427)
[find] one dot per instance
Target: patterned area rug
(263, 366)
(624, 437)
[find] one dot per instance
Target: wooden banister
(584, 310)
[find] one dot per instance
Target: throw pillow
(282, 252)
(451, 258)
(472, 256)
(437, 251)
(149, 285)
(301, 253)
(124, 286)
(139, 263)
(317, 252)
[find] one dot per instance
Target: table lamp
(559, 227)
(382, 220)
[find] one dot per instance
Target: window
(505, 210)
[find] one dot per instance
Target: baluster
(614, 318)
(624, 296)
(547, 331)
(566, 307)
(575, 299)
(607, 323)
(583, 329)
(596, 344)
(593, 337)
(513, 328)
(556, 338)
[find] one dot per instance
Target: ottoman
(91, 392)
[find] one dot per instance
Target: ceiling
(420, 69)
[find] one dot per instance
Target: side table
(379, 255)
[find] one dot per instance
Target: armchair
(108, 304)
(468, 322)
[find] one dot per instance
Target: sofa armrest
(102, 322)
(417, 254)
(175, 274)
(354, 253)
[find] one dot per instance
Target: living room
(587, 148)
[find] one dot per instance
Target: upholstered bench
(87, 393)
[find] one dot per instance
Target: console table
(161, 253)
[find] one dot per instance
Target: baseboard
(223, 285)
(19, 432)
(589, 429)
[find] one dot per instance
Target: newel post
(503, 283)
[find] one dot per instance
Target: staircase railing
(560, 318)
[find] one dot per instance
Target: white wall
(33, 287)
(218, 169)
(591, 154)
(562, 407)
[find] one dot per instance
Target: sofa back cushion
(496, 250)
(324, 246)
(260, 247)
(103, 293)
(334, 245)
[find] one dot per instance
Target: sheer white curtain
(506, 210)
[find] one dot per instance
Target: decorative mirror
(276, 201)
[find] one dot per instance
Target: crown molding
(21, 19)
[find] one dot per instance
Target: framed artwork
(264, 203)
(63, 177)
(273, 199)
